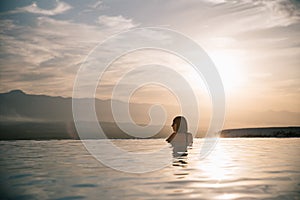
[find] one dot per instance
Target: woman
(180, 139)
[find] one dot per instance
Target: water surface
(240, 168)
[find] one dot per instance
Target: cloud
(216, 1)
(46, 57)
(284, 12)
(116, 21)
(97, 5)
(60, 8)
(94, 7)
(233, 17)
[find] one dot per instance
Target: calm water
(236, 169)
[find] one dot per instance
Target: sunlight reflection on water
(237, 168)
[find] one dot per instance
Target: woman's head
(179, 124)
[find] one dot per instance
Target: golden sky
(255, 45)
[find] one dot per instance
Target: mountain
(262, 132)
(25, 116)
(18, 106)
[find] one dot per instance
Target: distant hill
(262, 132)
(25, 116)
(18, 106)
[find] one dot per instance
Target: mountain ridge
(29, 116)
(12, 104)
(32, 116)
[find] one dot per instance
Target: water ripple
(236, 169)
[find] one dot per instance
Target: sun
(229, 65)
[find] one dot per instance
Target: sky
(254, 44)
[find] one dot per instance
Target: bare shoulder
(189, 134)
(190, 138)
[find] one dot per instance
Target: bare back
(182, 139)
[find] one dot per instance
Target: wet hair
(181, 124)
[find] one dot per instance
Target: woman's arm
(190, 139)
(170, 138)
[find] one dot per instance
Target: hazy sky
(255, 44)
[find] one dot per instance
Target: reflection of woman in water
(180, 139)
